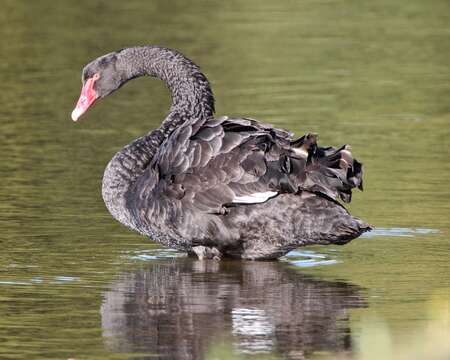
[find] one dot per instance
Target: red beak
(87, 98)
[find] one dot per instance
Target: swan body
(221, 186)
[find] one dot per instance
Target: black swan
(224, 186)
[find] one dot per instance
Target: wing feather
(207, 166)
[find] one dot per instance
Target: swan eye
(96, 76)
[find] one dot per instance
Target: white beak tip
(76, 113)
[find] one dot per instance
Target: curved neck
(192, 98)
(191, 93)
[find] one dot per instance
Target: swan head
(99, 79)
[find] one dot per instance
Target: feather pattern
(207, 170)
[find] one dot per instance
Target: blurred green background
(375, 74)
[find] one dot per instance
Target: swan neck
(190, 91)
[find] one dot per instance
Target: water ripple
(39, 280)
(153, 254)
(403, 232)
(308, 258)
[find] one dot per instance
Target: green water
(76, 284)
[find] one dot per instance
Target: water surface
(74, 283)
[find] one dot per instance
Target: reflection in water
(177, 308)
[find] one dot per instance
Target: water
(75, 284)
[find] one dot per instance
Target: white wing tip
(255, 198)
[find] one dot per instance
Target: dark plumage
(219, 186)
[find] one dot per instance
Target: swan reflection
(179, 308)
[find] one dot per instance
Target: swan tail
(346, 232)
(320, 221)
